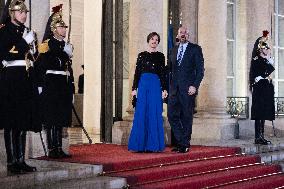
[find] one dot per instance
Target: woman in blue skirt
(147, 134)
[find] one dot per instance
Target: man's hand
(191, 90)
(164, 94)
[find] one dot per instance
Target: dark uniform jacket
(263, 107)
(18, 95)
(58, 89)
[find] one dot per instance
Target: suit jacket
(190, 72)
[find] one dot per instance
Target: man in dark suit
(187, 70)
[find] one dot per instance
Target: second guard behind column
(56, 82)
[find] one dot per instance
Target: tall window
(279, 47)
(231, 46)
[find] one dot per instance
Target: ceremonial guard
(18, 92)
(262, 88)
(56, 82)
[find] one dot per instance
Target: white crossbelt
(15, 63)
(57, 72)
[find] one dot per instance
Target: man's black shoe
(175, 149)
(62, 154)
(183, 150)
(25, 167)
(260, 141)
(53, 153)
(15, 168)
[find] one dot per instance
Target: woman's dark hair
(152, 34)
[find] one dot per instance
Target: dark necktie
(180, 55)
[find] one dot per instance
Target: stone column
(143, 20)
(189, 17)
(212, 93)
(92, 62)
(241, 49)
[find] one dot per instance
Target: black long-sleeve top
(150, 63)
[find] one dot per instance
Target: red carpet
(202, 167)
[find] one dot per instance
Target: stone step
(272, 157)
(49, 172)
(281, 163)
(101, 182)
(257, 149)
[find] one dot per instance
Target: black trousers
(180, 116)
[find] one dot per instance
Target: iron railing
(279, 106)
(238, 107)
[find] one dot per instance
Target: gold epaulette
(43, 47)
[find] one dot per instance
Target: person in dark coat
(81, 82)
(187, 71)
(54, 68)
(18, 94)
(263, 107)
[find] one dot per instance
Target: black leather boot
(258, 138)
(61, 153)
(262, 122)
(12, 166)
(17, 151)
(25, 167)
(51, 142)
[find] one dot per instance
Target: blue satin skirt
(147, 132)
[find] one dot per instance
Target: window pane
(230, 87)
(281, 7)
(281, 31)
(281, 64)
(230, 21)
(280, 89)
(231, 1)
(230, 65)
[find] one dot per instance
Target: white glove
(5, 63)
(73, 99)
(26, 31)
(30, 37)
(270, 60)
(39, 90)
(68, 48)
(258, 78)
